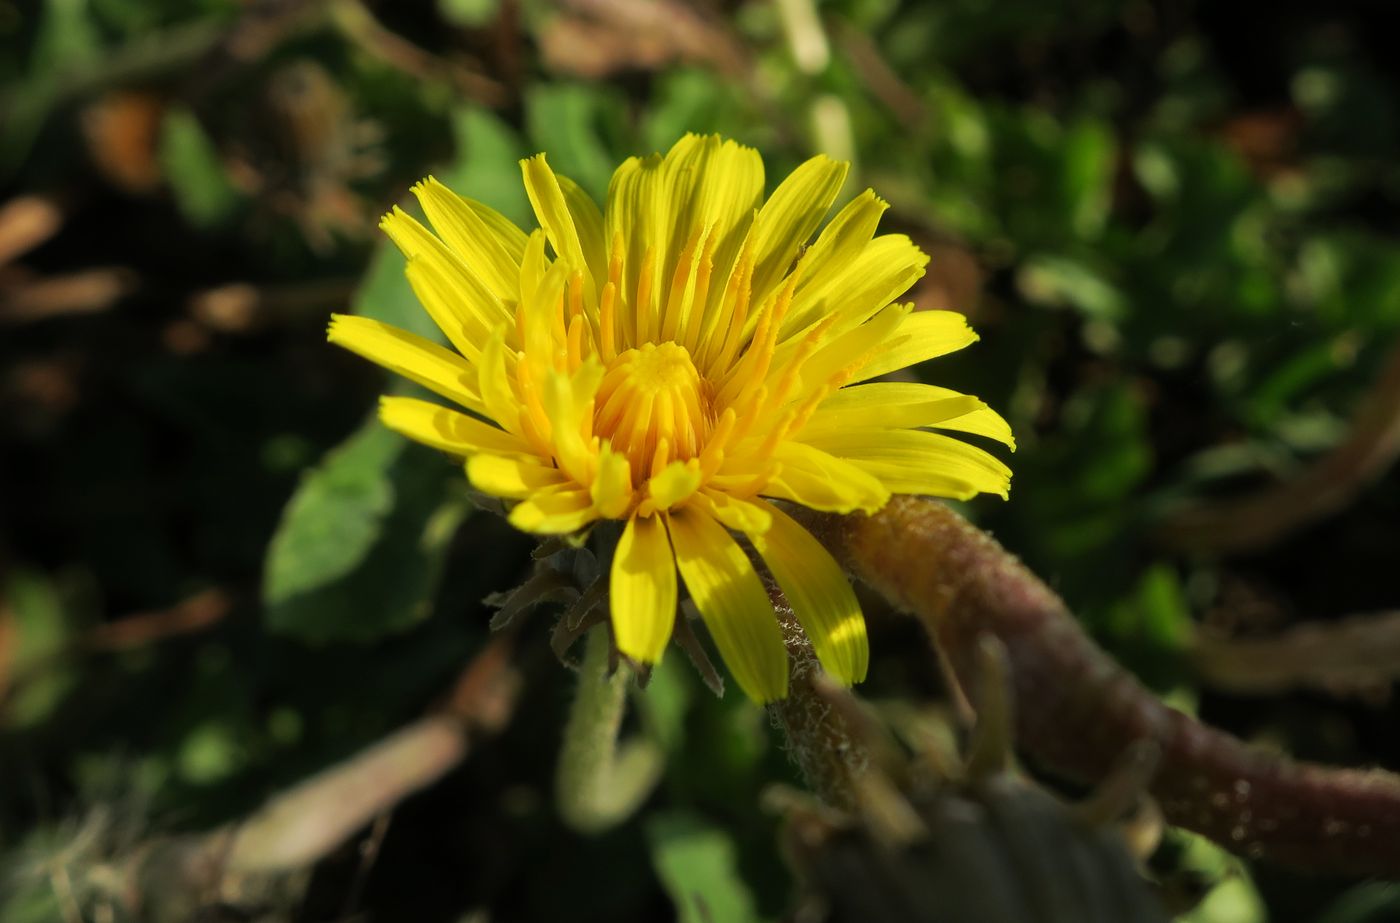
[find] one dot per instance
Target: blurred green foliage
(1174, 225)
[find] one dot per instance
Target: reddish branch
(1077, 711)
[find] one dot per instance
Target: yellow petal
(458, 311)
(446, 429)
(612, 484)
(419, 245)
(734, 513)
(407, 354)
(554, 511)
(541, 321)
(855, 287)
(493, 380)
(922, 335)
(489, 249)
(638, 213)
(838, 245)
(981, 421)
(820, 595)
(677, 481)
(906, 405)
(552, 210)
(906, 459)
(414, 240)
(512, 478)
(790, 216)
(817, 479)
(681, 177)
(733, 603)
(510, 236)
(568, 400)
(718, 186)
(588, 222)
(843, 355)
(643, 590)
(533, 266)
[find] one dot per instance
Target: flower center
(653, 407)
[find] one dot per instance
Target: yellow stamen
(740, 289)
(654, 407)
(575, 344)
(660, 456)
(607, 337)
(642, 306)
(576, 294)
(793, 371)
(712, 456)
(683, 283)
(753, 366)
(696, 303)
(535, 415)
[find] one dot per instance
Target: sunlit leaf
(359, 550)
(696, 863)
(572, 122)
(486, 166)
(193, 169)
(35, 630)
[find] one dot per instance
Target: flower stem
(600, 783)
(1078, 711)
(828, 755)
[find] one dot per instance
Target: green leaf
(1235, 899)
(568, 122)
(66, 38)
(193, 169)
(335, 516)
(40, 631)
(1157, 171)
(1087, 175)
(359, 551)
(696, 864)
(1155, 616)
(487, 166)
(666, 702)
(1116, 443)
(385, 295)
(683, 99)
(1061, 280)
(1372, 902)
(470, 14)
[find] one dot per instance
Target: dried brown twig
(358, 25)
(307, 822)
(1078, 711)
(597, 38)
(179, 878)
(1358, 656)
(192, 614)
(25, 223)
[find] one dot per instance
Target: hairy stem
(828, 755)
(1077, 710)
(599, 783)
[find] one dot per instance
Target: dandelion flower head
(677, 361)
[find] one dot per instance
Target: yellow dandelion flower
(675, 362)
